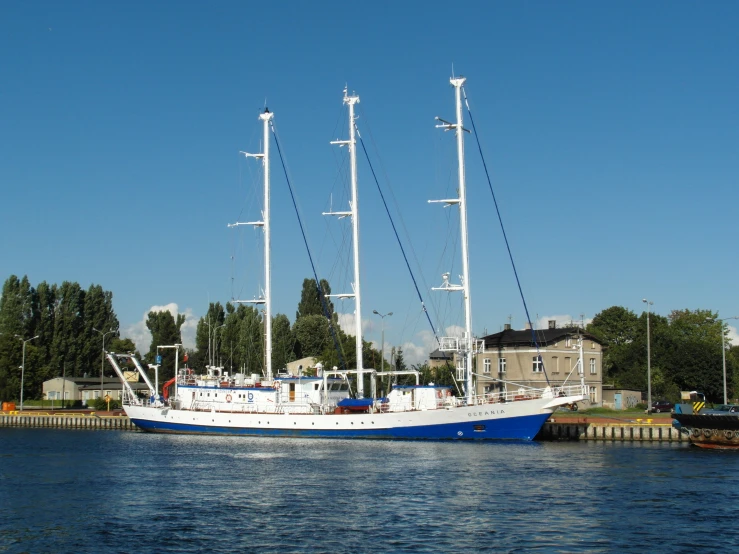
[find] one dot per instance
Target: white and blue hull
(520, 420)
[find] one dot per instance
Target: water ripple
(100, 492)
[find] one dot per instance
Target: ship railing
(246, 408)
(529, 393)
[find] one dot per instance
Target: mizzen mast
(353, 212)
(468, 345)
(266, 297)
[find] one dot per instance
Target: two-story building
(87, 389)
(523, 357)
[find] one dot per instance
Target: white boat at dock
(320, 403)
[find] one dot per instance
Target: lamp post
(649, 360)
(723, 350)
(23, 365)
(102, 358)
(382, 353)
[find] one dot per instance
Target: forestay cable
(505, 238)
(307, 248)
(397, 237)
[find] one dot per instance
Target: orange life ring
(228, 398)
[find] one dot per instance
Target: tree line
(69, 323)
(685, 352)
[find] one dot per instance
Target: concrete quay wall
(66, 421)
(646, 431)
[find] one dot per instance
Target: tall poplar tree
(165, 331)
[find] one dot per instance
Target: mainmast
(354, 214)
(266, 297)
(468, 345)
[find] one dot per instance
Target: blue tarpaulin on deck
(355, 402)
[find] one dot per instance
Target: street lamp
(382, 353)
(723, 350)
(102, 358)
(649, 360)
(23, 366)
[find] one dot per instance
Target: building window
(592, 366)
(593, 395)
(568, 342)
(555, 362)
(592, 345)
(568, 364)
(501, 365)
(536, 364)
(486, 365)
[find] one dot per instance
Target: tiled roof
(439, 355)
(544, 337)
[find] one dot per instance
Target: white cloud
(140, 335)
(733, 336)
(562, 320)
(347, 323)
(417, 351)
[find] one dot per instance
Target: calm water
(110, 491)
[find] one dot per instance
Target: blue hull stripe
(514, 428)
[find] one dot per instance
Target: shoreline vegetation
(54, 330)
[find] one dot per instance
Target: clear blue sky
(611, 131)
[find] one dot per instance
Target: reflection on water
(111, 491)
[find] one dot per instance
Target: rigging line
(406, 234)
(321, 294)
(505, 238)
(395, 230)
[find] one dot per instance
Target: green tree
(98, 314)
(312, 335)
(165, 331)
(209, 336)
(617, 328)
(250, 344)
(69, 330)
(122, 346)
(399, 360)
(311, 302)
(694, 352)
(16, 318)
(283, 342)
(62, 317)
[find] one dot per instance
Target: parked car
(659, 406)
(722, 409)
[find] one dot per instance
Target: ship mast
(354, 214)
(266, 296)
(468, 345)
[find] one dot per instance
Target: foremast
(353, 212)
(467, 346)
(266, 296)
